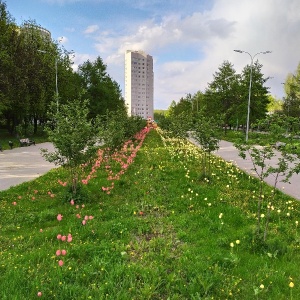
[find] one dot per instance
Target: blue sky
(188, 39)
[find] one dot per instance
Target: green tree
(74, 137)
(7, 28)
(275, 105)
(205, 132)
(291, 104)
(38, 85)
(27, 76)
(286, 165)
(117, 127)
(103, 93)
(222, 96)
(259, 100)
(180, 124)
(197, 102)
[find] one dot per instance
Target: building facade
(27, 27)
(139, 84)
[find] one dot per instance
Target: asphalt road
(23, 164)
(229, 153)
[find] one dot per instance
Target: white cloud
(62, 2)
(91, 29)
(211, 35)
(80, 58)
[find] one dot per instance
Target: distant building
(139, 85)
(27, 27)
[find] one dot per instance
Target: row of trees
(29, 63)
(227, 96)
(291, 103)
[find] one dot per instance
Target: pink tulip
(14, 203)
(39, 294)
(58, 252)
(60, 263)
(63, 238)
(91, 217)
(59, 236)
(59, 217)
(72, 202)
(83, 222)
(86, 217)
(78, 216)
(69, 239)
(63, 252)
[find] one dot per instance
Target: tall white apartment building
(139, 85)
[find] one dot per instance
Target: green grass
(263, 139)
(163, 232)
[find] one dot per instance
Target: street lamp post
(250, 85)
(56, 79)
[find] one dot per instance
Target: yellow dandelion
(262, 286)
(291, 285)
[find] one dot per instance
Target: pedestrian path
(228, 152)
(23, 164)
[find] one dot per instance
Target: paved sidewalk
(23, 164)
(228, 152)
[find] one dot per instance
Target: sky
(188, 39)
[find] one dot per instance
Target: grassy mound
(160, 230)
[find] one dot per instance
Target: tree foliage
(34, 68)
(227, 96)
(117, 127)
(103, 93)
(259, 92)
(73, 136)
(284, 166)
(291, 105)
(222, 96)
(205, 132)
